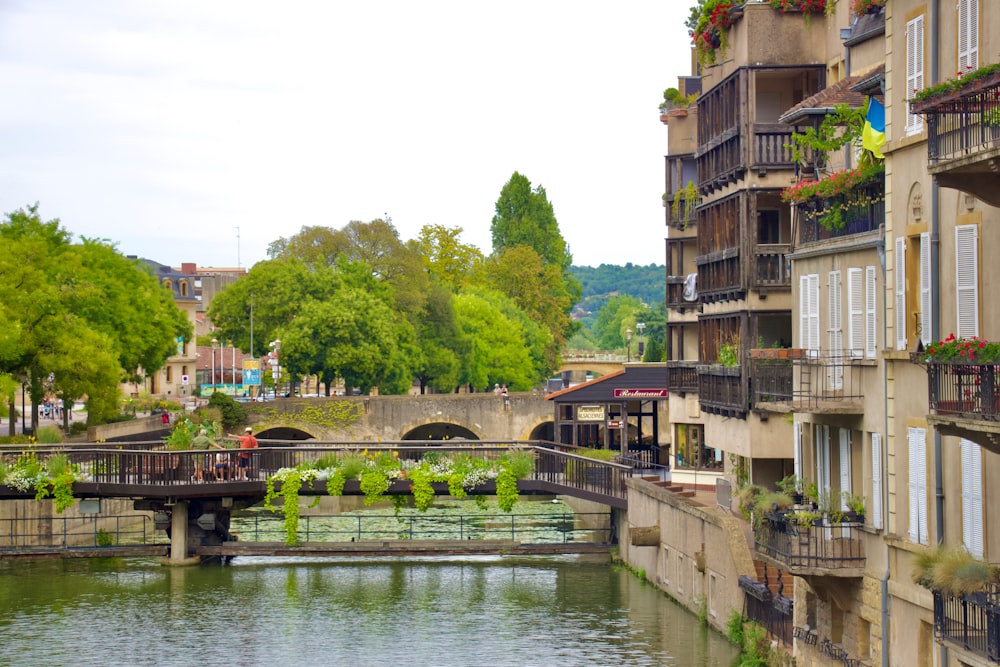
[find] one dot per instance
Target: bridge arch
(283, 432)
(439, 430)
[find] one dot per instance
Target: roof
(652, 376)
(823, 102)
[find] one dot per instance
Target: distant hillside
(607, 280)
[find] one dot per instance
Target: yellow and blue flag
(873, 134)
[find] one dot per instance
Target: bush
(49, 435)
(76, 428)
(233, 412)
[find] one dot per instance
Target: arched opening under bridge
(440, 431)
(544, 431)
(283, 433)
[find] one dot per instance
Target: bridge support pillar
(179, 535)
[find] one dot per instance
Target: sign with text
(251, 372)
(615, 423)
(641, 393)
(590, 413)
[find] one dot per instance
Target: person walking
(247, 442)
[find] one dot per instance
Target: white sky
(164, 126)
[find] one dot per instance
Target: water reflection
(565, 610)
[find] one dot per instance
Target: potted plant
(855, 505)
(805, 518)
(860, 7)
(792, 485)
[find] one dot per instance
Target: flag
(873, 134)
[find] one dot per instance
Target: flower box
(966, 86)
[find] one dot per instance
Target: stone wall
(35, 523)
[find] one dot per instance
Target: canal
(498, 611)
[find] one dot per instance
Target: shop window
(691, 452)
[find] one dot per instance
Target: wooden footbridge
(196, 513)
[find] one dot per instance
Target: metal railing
(831, 547)
(807, 381)
(773, 612)
(551, 528)
(964, 126)
(862, 210)
(79, 531)
(964, 389)
(971, 621)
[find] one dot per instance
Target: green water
(497, 611)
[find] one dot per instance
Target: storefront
(621, 411)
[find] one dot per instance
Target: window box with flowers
(861, 7)
(831, 201)
(965, 84)
(962, 376)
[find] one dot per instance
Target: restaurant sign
(642, 393)
(590, 413)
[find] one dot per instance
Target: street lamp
(215, 342)
(641, 326)
(628, 344)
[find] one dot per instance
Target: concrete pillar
(178, 533)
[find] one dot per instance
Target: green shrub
(233, 412)
(49, 435)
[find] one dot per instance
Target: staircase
(770, 575)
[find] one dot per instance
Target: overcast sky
(194, 130)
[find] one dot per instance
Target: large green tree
(446, 259)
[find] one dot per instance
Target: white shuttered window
(900, 290)
(914, 69)
(809, 313)
(856, 312)
(870, 324)
(877, 480)
(972, 497)
(917, 445)
(926, 323)
(967, 280)
(968, 35)
(835, 332)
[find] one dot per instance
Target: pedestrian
(496, 389)
(203, 442)
(503, 390)
(247, 442)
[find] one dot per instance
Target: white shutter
(804, 312)
(926, 323)
(900, 279)
(967, 280)
(972, 497)
(877, 480)
(855, 312)
(797, 448)
(813, 345)
(870, 320)
(914, 69)
(835, 332)
(823, 460)
(917, 441)
(845, 467)
(968, 35)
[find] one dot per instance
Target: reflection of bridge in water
(198, 515)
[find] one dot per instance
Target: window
(972, 497)
(768, 227)
(870, 326)
(170, 374)
(797, 448)
(691, 452)
(877, 480)
(900, 291)
(967, 280)
(845, 467)
(926, 325)
(822, 445)
(914, 69)
(855, 312)
(809, 313)
(917, 445)
(968, 35)
(184, 288)
(913, 276)
(835, 331)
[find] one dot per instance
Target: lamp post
(641, 326)
(628, 345)
(215, 342)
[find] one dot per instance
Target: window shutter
(917, 440)
(870, 322)
(823, 459)
(797, 448)
(835, 332)
(914, 69)
(809, 313)
(855, 312)
(804, 312)
(900, 279)
(972, 497)
(926, 323)
(845, 467)
(877, 480)
(968, 35)
(967, 280)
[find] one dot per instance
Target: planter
(968, 89)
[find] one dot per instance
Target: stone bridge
(518, 416)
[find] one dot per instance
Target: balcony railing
(771, 267)
(966, 390)
(722, 390)
(771, 146)
(863, 210)
(682, 376)
(719, 276)
(805, 550)
(685, 215)
(774, 612)
(963, 122)
(806, 382)
(721, 162)
(971, 621)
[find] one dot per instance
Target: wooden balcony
(719, 276)
(963, 137)
(831, 550)
(722, 390)
(863, 211)
(771, 266)
(797, 382)
(682, 376)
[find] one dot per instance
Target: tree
(617, 315)
(447, 260)
(525, 217)
(437, 363)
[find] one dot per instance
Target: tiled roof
(822, 102)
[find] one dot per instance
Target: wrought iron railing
(971, 621)
(807, 381)
(966, 123)
(830, 546)
(964, 389)
(862, 210)
(773, 612)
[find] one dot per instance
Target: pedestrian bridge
(197, 515)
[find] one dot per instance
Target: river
(497, 611)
